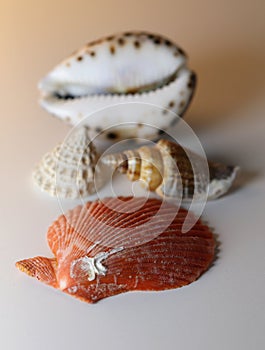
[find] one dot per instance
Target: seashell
(120, 69)
(122, 244)
(69, 170)
(174, 172)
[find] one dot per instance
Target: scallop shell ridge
(90, 264)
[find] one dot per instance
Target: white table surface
(225, 308)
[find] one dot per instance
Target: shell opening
(73, 90)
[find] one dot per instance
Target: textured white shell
(125, 68)
(70, 169)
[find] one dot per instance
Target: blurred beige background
(225, 309)
(225, 41)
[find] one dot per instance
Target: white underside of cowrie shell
(140, 68)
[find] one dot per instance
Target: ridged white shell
(125, 68)
(69, 170)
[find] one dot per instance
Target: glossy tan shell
(70, 169)
(119, 245)
(174, 172)
(125, 68)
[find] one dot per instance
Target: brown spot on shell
(112, 49)
(95, 42)
(171, 104)
(182, 104)
(121, 41)
(194, 78)
(140, 125)
(112, 135)
(192, 81)
(137, 44)
(181, 51)
(160, 132)
(79, 58)
(157, 41)
(132, 90)
(109, 38)
(68, 64)
(92, 53)
(123, 167)
(128, 34)
(168, 43)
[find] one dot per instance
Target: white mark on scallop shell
(91, 266)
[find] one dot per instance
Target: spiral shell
(174, 172)
(122, 244)
(70, 169)
(134, 67)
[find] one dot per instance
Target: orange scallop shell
(122, 244)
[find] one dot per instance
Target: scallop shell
(174, 172)
(122, 244)
(135, 67)
(70, 169)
